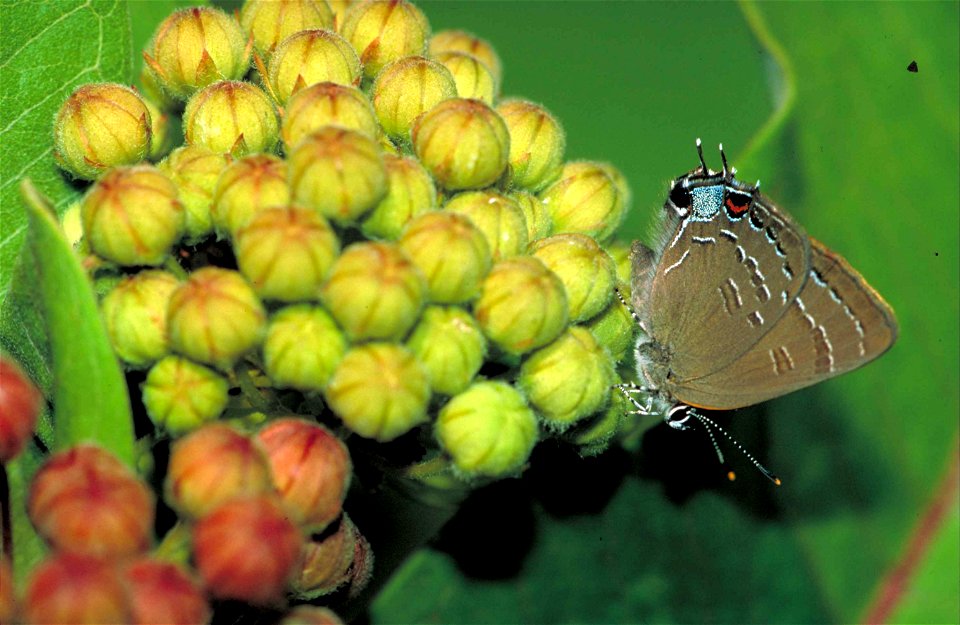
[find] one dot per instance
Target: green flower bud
(302, 348)
(620, 252)
(181, 395)
(452, 254)
(374, 291)
(379, 391)
(535, 215)
(620, 181)
(338, 172)
(473, 78)
(272, 21)
(410, 192)
(537, 144)
(161, 135)
(593, 436)
(327, 104)
(100, 126)
(195, 47)
(450, 346)
(132, 216)
(383, 32)
(497, 216)
(231, 116)
(247, 186)
(406, 89)
(195, 170)
(153, 92)
(614, 328)
(488, 430)
(286, 252)
(135, 315)
(215, 317)
(522, 305)
(585, 199)
(586, 270)
(569, 379)
(463, 143)
(461, 41)
(310, 57)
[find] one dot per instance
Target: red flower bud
(19, 407)
(162, 592)
(71, 588)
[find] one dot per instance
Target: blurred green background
(866, 157)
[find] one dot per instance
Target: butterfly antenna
(708, 423)
(723, 157)
(703, 163)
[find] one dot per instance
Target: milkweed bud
(73, 588)
(337, 172)
(310, 57)
(132, 216)
(195, 47)
(593, 435)
(406, 89)
(326, 563)
(535, 215)
(488, 430)
(586, 270)
(461, 41)
(410, 192)
(522, 305)
(135, 315)
(232, 117)
(374, 291)
(247, 186)
(568, 379)
(614, 328)
(311, 614)
(449, 344)
(286, 252)
(101, 125)
(161, 135)
(382, 32)
(327, 104)
(379, 391)
(537, 144)
(180, 395)
(215, 317)
(452, 254)
(272, 21)
(195, 171)
(19, 409)
(463, 143)
(497, 216)
(302, 348)
(585, 199)
(620, 252)
(473, 79)
(162, 592)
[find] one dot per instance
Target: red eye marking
(737, 209)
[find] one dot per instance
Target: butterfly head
(701, 192)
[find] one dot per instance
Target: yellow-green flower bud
(461, 41)
(450, 346)
(374, 291)
(272, 21)
(215, 317)
(327, 104)
(247, 186)
(473, 78)
(522, 305)
(100, 126)
(488, 430)
(340, 8)
(569, 379)
(132, 216)
(406, 89)
(153, 92)
(586, 270)
(379, 391)
(195, 47)
(537, 144)
(135, 315)
(161, 135)
(535, 215)
(614, 328)
(620, 181)
(310, 57)
(497, 216)
(383, 32)
(231, 116)
(286, 252)
(452, 254)
(303, 348)
(585, 199)
(593, 436)
(463, 143)
(194, 170)
(410, 192)
(338, 172)
(620, 252)
(181, 395)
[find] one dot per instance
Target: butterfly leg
(629, 390)
(633, 313)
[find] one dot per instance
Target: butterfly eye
(680, 196)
